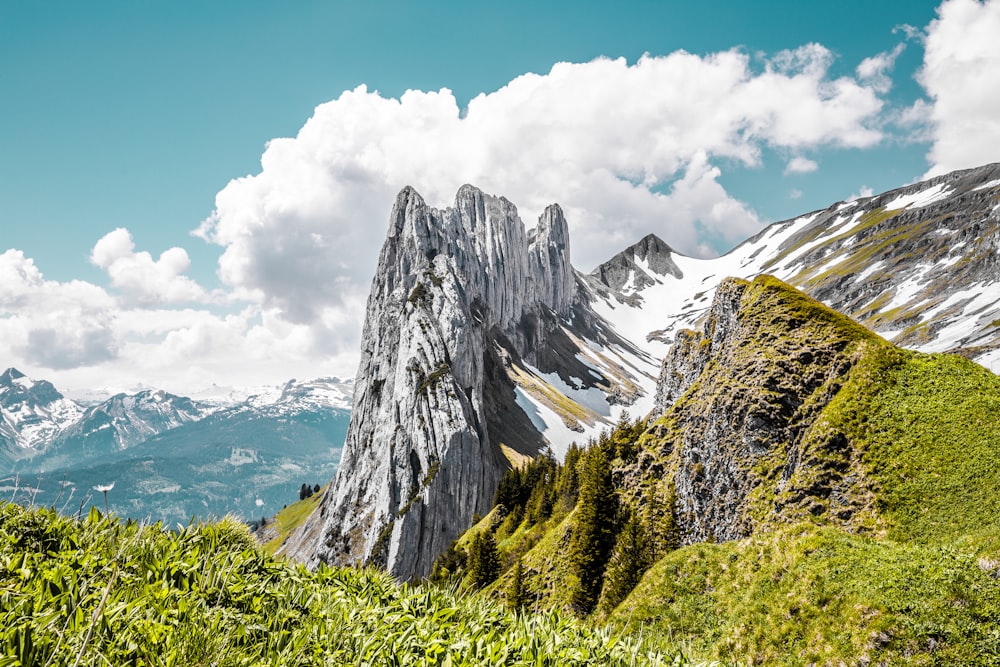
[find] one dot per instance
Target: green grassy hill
(815, 496)
(104, 592)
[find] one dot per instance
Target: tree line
(612, 541)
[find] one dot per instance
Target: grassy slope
(808, 594)
(926, 432)
(935, 448)
(912, 439)
(102, 592)
(290, 518)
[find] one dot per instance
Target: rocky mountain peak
(549, 260)
(747, 387)
(639, 266)
(16, 388)
(458, 294)
(32, 412)
(10, 376)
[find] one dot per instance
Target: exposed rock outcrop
(742, 397)
(459, 295)
(630, 269)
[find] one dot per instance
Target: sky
(195, 193)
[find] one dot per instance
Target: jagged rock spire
(454, 290)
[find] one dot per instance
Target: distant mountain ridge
(32, 413)
(920, 265)
(171, 457)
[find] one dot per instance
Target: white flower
(104, 488)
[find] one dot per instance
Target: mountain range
(171, 458)
(484, 347)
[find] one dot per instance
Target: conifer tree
(484, 560)
(631, 557)
(593, 530)
(516, 595)
(568, 485)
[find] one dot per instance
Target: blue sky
(135, 116)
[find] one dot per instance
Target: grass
(935, 450)
(817, 595)
(103, 592)
(290, 518)
(873, 507)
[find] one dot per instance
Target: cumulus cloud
(52, 324)
(801, 165)
(625, 149)
(141, 278)
(79, 335)
(961, 74)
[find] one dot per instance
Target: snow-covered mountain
(32, 413)
(294, 396)
(171, 457)
(116, 424)
(920, 265)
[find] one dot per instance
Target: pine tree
(484, 560)
(593, 530)
(517, 597)
(630, 558)
(568, 484)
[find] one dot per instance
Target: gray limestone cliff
(457, 294)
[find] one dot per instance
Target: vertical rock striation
(456, 292)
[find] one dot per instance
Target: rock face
(918, 265)
(458, 295)
(630, 269)
(742, 398)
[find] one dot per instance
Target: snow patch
(920, 199)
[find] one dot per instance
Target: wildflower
(104, 488)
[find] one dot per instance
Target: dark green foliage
(593, 530)
(433, 378)
(448, 565)
(659, 520)
(529, 491)
(483, 560)
(568, 487)
(420, 295)
(517, 596)
(633, 554)
(623, 440)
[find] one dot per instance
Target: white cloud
(51, 324)
(961, 74)
(801, 165)
(875, 70)
(795, 193)
(862, 193)
(79, 336)
(141, 278)
(625, 149)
